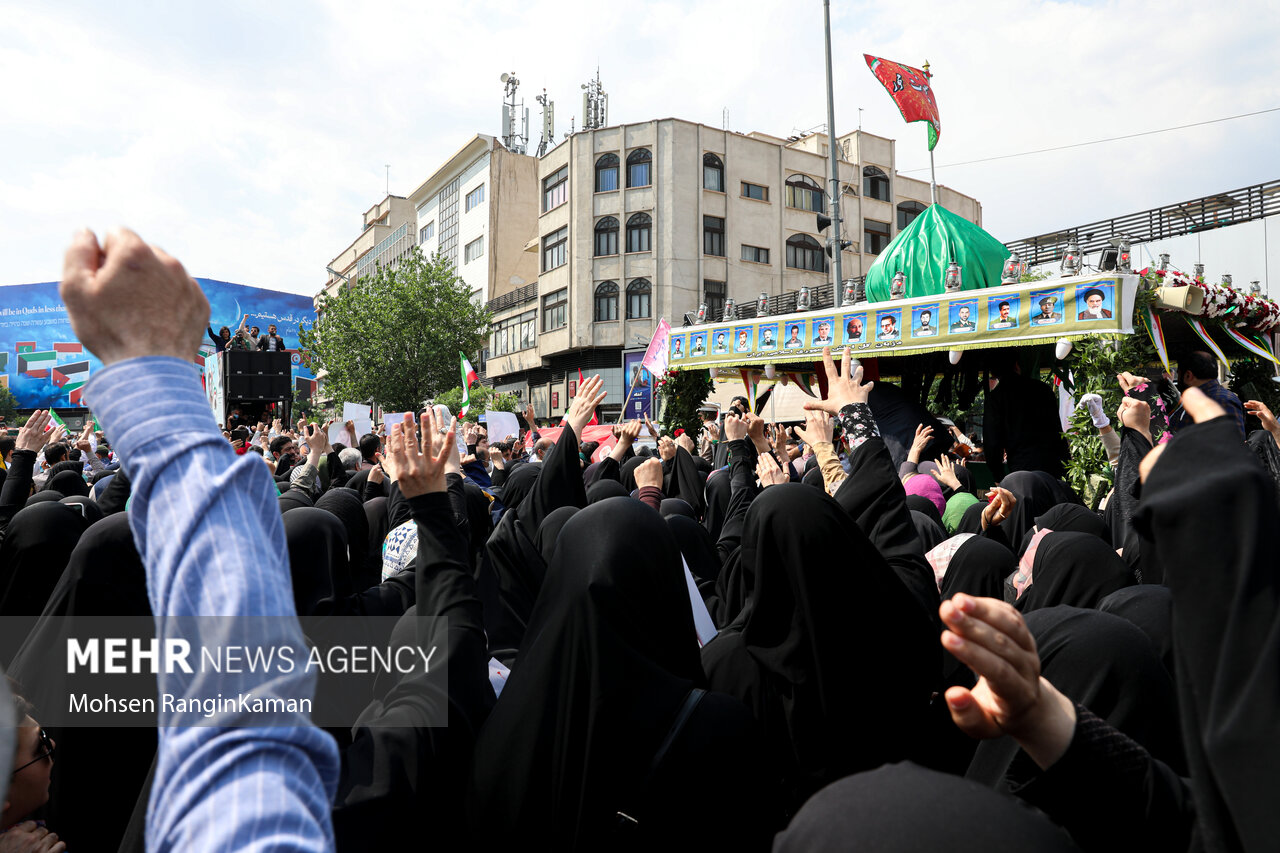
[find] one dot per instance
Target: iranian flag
(469, 378)
(55, 421)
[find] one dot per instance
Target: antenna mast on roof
(511, 112)
(595, 104)
(548, 122)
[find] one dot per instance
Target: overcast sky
(247, 138)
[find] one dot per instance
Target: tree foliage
(396, 335)
(683, 393)
(8, 403)
(482, 398)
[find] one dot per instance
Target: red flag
(594, 420)
(910, 89)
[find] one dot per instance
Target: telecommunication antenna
(548, 122)
(595, 104)
(511, 112)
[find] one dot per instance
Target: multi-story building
(388, 233)
(479, 210)
(642, 221)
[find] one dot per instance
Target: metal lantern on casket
(1012, 271)
(898, 289)
(953, 280)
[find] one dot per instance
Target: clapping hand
(768, 471)
(32, 435)
(946, 473)
(420, 463)
(843, 386)
(819, 428)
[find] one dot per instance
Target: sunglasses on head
(46, 751)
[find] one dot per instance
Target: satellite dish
(505, 77)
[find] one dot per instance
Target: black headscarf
(47, 495)
(919, 503)
(518, 485)
(910, 809)
(979, 568)
(971, 521)
(609, 656)
(676, 506)
(92, 512)
(1263, 445)
(696, 546)
(68, 483)
(719, 487)
(627, 475)
(293, 499)
(786, 654)
(1037, 492)
(1074, 517)
(1208, 517)
(604, 489)
(813, 477)
(929, 531)
(549, 530)
(379, 522)
(359, 479)
(1077, 569)
(37, 545)
(317, 557)
(104, 577)
(347, 506)
(479, 519)
(1150, 607)
(682, 479)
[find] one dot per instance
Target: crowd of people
(764, 636)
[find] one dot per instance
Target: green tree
(396, 335)
(482, 398)
(683, 393)
(8, 403)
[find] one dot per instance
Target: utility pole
(834, 193)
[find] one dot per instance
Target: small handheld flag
(469, 378)
(55, 421)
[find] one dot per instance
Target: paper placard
(703, 624)
(498, 675)
(393, 418)
(502, 426)
(358, 414)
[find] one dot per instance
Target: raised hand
(421, 463)
(107, 288)
(768, 471)
(1201, 407)
(653, 430)
(1000, 508)
(687, 443)
(844, 386)
(1259, 410)
(32, 435)
(755, 431)
(317, 439)
(735, 428)
(649, 473)
(584, 405)
(819, 428)
(946, 473)
(1011, 697)
(666, 448)
(1129, 381)
(924, 435)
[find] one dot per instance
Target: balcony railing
(528, 293)
(821, 298)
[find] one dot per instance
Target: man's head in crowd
(282, 446)
(73, 454)
(1196, 368)
(55, 453)
(370, 444)
(32, 766)
(271, 330)
(740, 405)
(350, 458)
(103, 453)
(482, 442)
(540, 448)
(7, 444)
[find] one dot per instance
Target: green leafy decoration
(683, 392)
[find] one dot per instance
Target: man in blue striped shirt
(208, 527)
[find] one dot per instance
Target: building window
(514, 334)
(755, 191)
(428, 231)
(713, 293)
(473, 250)
(555, 189)
(755, 254)
(607, 173)
(555, 248)
(606, 302)
(450, 197)
(875, 236)
(555, 310)
(638, 230)
(805, 253)
(907, 213)
(607, 237)
(474, 197)
(804, 194)
(875, 183)
(638, 163)
(638, 298)
(712, 173)
(713, 236)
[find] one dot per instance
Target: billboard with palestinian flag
(44, 365)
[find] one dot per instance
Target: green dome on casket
(924, 248)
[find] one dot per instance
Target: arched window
(907, 213)
(638, 163)
(805, 253)
(638, 230)
(606, 301)
(875, 183)
(607, 173)
(712, 173)
(804, 194)
(638, 298)
(607, 237)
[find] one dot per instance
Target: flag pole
(837, 252)
(627, 399)
(933, 176)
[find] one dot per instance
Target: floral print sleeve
(1150, 394)
(858, 424)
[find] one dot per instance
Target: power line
(1097, 141)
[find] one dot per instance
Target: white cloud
(248, 141)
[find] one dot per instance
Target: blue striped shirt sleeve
(208, 528)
